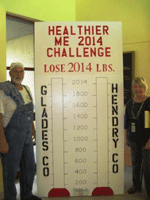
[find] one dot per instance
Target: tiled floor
(126, 196)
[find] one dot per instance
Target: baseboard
(1, 195)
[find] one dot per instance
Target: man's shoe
(33, 198)
(133, 189)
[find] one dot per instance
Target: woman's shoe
(133, 189)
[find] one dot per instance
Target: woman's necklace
(135, 117)
(138, 112)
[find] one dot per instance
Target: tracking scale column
(102, 138)
(57, 138)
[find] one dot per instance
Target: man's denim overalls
(19, 137)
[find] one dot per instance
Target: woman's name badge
(133, 127)
(147, 119)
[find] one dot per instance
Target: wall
(135, 18)
(142, 58)
(20, 49)
(46, 10)
(2, 67)
(134, 15)
(3, 44)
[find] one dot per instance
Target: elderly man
(16, 131)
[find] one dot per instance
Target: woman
(137, 135)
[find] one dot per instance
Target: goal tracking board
(79, 108)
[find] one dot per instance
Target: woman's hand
(126, 138)
(127, 143)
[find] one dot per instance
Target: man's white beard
(17, 81)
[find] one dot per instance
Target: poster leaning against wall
(79, 108)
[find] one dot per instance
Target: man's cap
(16, 64)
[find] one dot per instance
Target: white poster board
(79, 108)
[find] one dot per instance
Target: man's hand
(4, 148)
(33, 134)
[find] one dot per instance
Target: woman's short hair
(140, 80)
